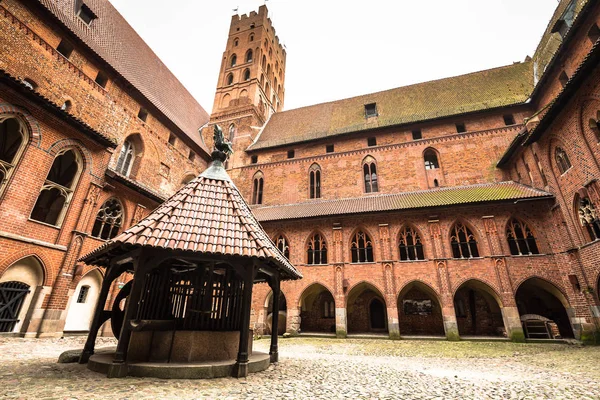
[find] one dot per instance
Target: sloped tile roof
(498, 87)
(207, 216)
(117, 43)
(483, 193)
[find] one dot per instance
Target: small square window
(417, 134)
(372, 141)
(65, 48)
(143, 114)
(254, 159)
(192, 156)
(509, 119)
(460, 127)
(370, 110)
(329, 148)
(172, 139)
(86, 14)
(83, 293)
(291, 154)
(101, 79)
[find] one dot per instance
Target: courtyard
(327, 368)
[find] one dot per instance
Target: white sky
(338, 49)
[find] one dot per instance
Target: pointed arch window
(562, 160)
(230, 79)
(57, 191)
(231, 132)
(410, 244)
(246, 75)
(314, 177)
(317, 250)
(233, 60)
(588, 217)
(595, 126)
(431, 159)
(125, 161)
(257, 189)
(283, 246)
(361, 248)
(370, 175)
(521, 240)
(249, 55)
(108, 220)
(13, 139)
(264, 62)
(463, 242)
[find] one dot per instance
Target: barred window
(83, 294)
(521, 240)
(125, 161)
(463, 242)
(13, 138)
(317, 250)
(58, 188)
(283, 246)
(370, 176)
(315, 181)
(410, 245)
(562, 160)
(361, 248)
(108, 220)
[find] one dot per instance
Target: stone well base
(192, 370)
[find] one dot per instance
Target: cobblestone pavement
(312, 368)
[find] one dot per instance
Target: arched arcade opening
(317, 310)
(366, 310)
(478, 310)
(419, 311)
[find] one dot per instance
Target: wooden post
(241, 366)
(275, 286)
(98, 319)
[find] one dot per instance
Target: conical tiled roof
(207, 216)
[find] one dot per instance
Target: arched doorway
(478, 311)
(317, 310)
(419, 311)
(18, 288)
(83, 302)
(366, 311)
(281, 324)
(538, 297)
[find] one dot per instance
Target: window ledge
(412, 261)
(466, 259)
(527, 255)
(57, 227)
(361, 263)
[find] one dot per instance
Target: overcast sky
(343, 48)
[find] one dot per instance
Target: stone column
(512, 322)
(447, 301)
(391, 301)
(341, 327)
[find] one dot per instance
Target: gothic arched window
(231, 132)
(431, 159)
(108, 220)
(249, 56)
(314, 176)
(246, 74)
(230, 79)
(370, 175)
(588, 217)
(595, 126)
(410, 244)
(233, 60)
(264, 62)
(13, 138)
(316, 250)
(521, 240)
(58, 188)
(562, 160)
(125, 161)
(361, 248)
(257, 189)
(463, 242)
(283, 246)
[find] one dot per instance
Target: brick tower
(251, 82)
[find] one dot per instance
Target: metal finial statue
(221, 145)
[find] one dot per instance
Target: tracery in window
(410, 244)
(361, 248)
(58, 188)
(588, 217)
(283, 246)
(108, 220)
(562, 160)
(521, 240)
(463, 242)
(13, 138)
(315, 181)
(125, 161)
(316, 250)
(370, 175)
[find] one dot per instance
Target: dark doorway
(377, 314)
(366, 310)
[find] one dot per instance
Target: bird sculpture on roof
(221, 144)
